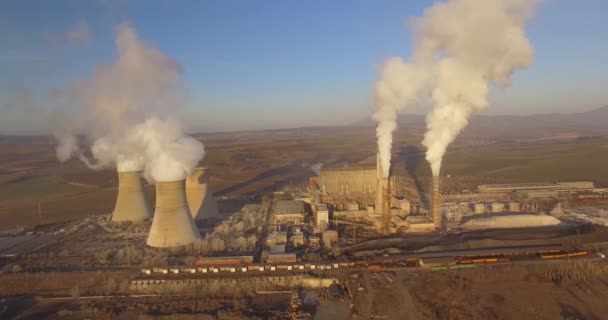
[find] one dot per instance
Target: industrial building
(345, 181)
(527, 187)
(288, 212)
(329, 237)
(321, 216)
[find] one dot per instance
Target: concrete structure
(555, 186)
(321, 216)
(352, 206)
(329, 237)
(346, 181)
(297, 239)
(420, 224)
(510, 221)
(131, 204)
(498, 207)
(280, 236)
(271, 240)
(201, 203)
(557, 211)
(386, 206)
(436, 202)
(379, 194)
(277, 249)
(289, 211)
(172, 225)
(514, 206)
(479, 208)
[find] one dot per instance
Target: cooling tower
(131, 204)
(172, 225)
(378, 207)
(201, 203)
(436, 203)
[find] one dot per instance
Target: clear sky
(277, 63)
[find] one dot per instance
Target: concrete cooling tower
(172, 225)
(131, 204)
(200, 198)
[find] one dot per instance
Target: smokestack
(436, 203)
(173, 224)
(201, 203)
(131, 204)
(386, 206)
(378, 208)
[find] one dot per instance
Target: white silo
(172, 225)
(201, 203)
(131, 204)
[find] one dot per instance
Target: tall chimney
(172, 225)
(436, 203)
(201, 203)
(131, 204)
(378, 207)
(386, 206)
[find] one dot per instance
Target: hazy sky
(268, 64)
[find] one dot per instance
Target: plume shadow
(413, 155)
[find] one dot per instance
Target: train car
(224, 261)
(282, 258)
(564, 255)
(463, 266)
(374, 267)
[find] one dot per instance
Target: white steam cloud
(459, 46)
(129, 124)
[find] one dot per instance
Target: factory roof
(289, 207)
(321, 207)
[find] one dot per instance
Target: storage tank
(131, 204)
(172, 225)
(201, 203)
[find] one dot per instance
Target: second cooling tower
(131, 204)
(172, 225)
(200, 198)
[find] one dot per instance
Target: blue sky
(284, 63)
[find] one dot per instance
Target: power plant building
(344, 181)
(289, 211)
(321, 216)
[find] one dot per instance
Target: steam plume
(459, 46)
(128, 122)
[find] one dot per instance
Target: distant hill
(542, 126)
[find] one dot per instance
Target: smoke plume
(127, 107)
(459, 46)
